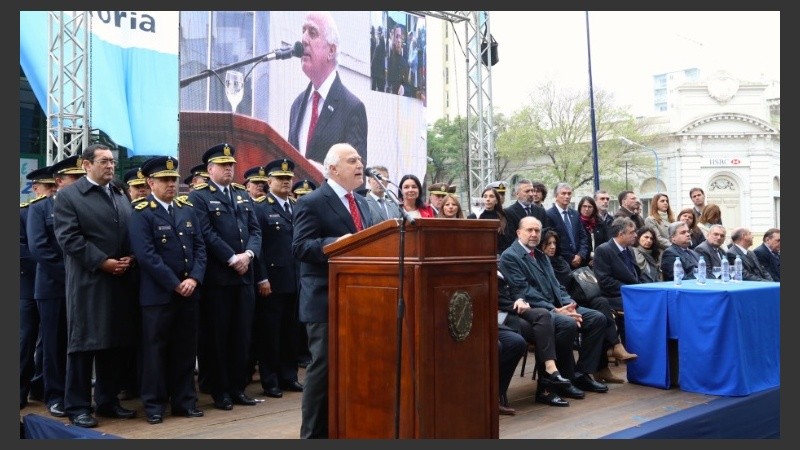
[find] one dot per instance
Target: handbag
(583, 284)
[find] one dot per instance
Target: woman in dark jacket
(595, 227)
(549, 245)
(493, 209)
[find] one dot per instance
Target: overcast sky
(627, 49)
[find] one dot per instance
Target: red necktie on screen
(354, 211)
(314, 117)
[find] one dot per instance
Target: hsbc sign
(725, 161)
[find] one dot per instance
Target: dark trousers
(169, 345)
(53, 329)
(275, 332)
(107, 370)
(611, 335)
(592, 332)
(511, 348)
(314, 405)
(30, 352)
(228, 323)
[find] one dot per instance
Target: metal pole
(655, 154)
(595, 163)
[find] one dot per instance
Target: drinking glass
(717, 272)
(234, 87)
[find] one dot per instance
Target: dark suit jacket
(320, 218)
(226, 231)
(515, 213)
(611, 270)
(565, 248)
(636, 218)
(535, 282)
(712, 255)
(668, 261)
(769, 261)
(167, 252)
(275, 261)
(751, 268)
(342, 118)
(50, 274)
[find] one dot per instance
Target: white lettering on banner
(152, 30)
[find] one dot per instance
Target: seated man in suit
(681, 237)
(769, 253)
(536, 326)
(742, 240)
(711, 249)
(614, 266)
(530, 277)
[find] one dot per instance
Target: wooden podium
(449, 369)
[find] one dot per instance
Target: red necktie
(354, 211)
(314, 117)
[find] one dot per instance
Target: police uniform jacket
(167, 252)
(227, 230)
(50, 275)
(275, 261)
(27, 265)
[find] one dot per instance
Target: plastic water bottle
(677, 270)
(737, 269)
(701, 270)
(726, 270)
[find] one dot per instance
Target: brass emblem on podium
(459, 315)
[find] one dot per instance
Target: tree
(447, 152)
(550, 139)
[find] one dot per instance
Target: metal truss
(68, 91)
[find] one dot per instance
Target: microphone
(374, 174)
(285, 52)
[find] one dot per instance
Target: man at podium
(326, 215)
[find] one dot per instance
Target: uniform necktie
(286, 208)
(354, 211)
(568, 225)
(171, 213)
(314, 117)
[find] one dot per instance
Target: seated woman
(595, 228)
(647, 252)
(536, 326)
(660, 217)
(409, 195)
(549, 245)
(711, 215)
(451, 208)
(687, 216)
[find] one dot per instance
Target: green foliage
(447, 152)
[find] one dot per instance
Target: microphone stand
(400, 302)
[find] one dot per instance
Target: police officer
(276, 321)
(197, 175)
(137, 185)
(233, 238)
(172, 260)
(302, 188)
(255, 181)
(51, 288)
(30, 346)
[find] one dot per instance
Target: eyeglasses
(105, 162)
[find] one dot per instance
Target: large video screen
(248, 78)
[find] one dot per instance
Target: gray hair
(675, 226)
(333, 157)
(620, 224)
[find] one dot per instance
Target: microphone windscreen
(297, 50)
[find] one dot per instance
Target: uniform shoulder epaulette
(292, 200)
(140, 206)
(137, 200)
(24, 204)
(41, 197)
(261, 199)
(239, 186)
(199, 186)
(183, 200)
(270, 199)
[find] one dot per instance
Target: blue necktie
(568, 225)
(628, 261)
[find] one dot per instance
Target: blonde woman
(660, 217)
(451, 208)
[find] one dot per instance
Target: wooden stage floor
(624, 406)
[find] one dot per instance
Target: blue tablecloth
(728, 335)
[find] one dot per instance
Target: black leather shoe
(153, 419)
(116, 412)
(242, 399)
(550, 398)
(554, 380)
(224, 403)
(84, 420)
(57, 409)
(193, 412)
(586, 383)
(293, 386)
(572, 392)
(273, 392)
